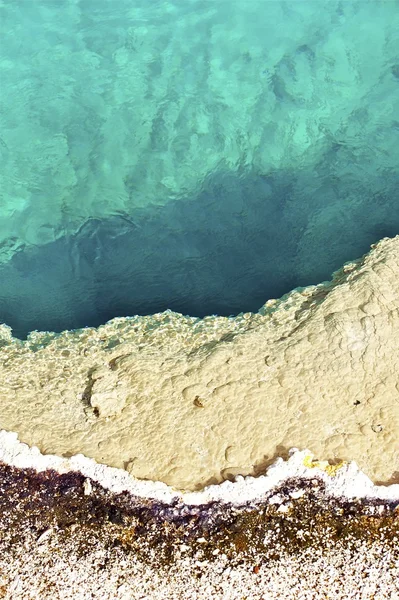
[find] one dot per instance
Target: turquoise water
(197, 155)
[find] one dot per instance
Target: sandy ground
(195, 401)
(367, 573)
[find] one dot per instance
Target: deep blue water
(224, 252)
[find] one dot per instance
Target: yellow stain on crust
(324, 465)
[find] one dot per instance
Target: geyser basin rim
(341, 481)
(192, 402)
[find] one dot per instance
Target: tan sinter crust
(189, 401)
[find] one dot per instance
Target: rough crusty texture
(63, 536)
(189, 401)
(369, 573)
